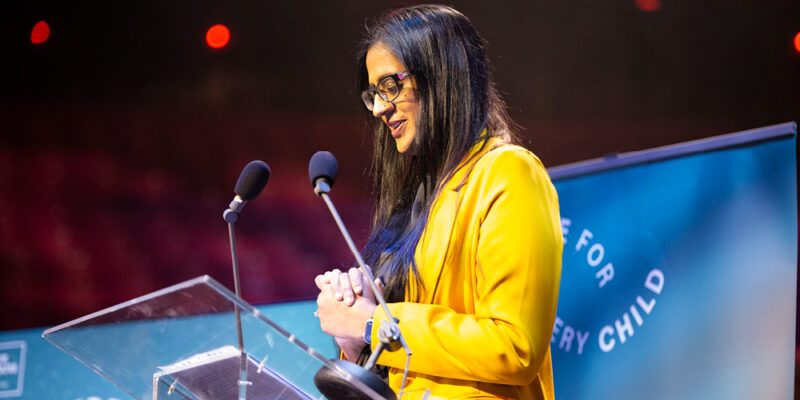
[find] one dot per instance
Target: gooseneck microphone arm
(321, 189)
(230, 217)
(251, 182)
(322, 171)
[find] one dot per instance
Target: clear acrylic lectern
(181, 343)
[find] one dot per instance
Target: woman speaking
(466, 237)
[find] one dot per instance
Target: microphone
(322, 171)
(251, 182)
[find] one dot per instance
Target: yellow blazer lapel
(435, 242)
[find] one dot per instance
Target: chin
(404, 148)
(406, 145)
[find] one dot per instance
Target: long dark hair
(459, 108)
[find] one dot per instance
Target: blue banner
(679, 278)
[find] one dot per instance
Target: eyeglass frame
(397, 78)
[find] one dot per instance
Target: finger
(326, 277)
(355, 280)
(336, 284)
(319, 280)
(379, 284)
(348, 297)
(366, 281)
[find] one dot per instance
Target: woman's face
(401, 114)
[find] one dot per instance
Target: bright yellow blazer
(490, 263)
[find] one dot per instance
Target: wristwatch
(368, 332)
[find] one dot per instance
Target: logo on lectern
(12, 368)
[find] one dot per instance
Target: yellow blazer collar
(459, 177)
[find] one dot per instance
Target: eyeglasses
(388, 88)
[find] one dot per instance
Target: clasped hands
(344, 304)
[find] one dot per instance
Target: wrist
(363, 314)
(351, 348)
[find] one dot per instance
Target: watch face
(368, 332)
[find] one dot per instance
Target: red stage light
(797, 42)
(40, 32)
(648, 5)
(217, 36)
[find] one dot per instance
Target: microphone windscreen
(252, 180)
(323, 165)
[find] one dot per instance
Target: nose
(381, 107)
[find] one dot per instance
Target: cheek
(412, 111)
(415, 119)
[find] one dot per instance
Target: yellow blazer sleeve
(510, 227)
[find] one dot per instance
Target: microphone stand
(389, 332)
(231, 215)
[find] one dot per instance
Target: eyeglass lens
(388, 89)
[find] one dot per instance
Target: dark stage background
(122, 135)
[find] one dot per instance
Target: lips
(396, 127)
